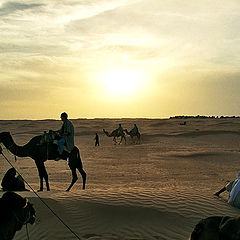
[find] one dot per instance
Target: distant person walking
(67, 134)
(96, 140)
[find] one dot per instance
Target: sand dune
(158, 189)
(139, 214)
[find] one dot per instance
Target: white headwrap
(235, 190)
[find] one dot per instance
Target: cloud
(183, 31)
(12, 7)
(56, 45)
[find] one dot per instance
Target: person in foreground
(233, 188)
(12, 183)
(67, 135)
(15, 212)
(217, 228)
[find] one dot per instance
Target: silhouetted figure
(217, 228)
(12, 183)
(96, 140)
(115, 134)
(40, 153)
(120, 129)
(16, 211)
(184, 123)
(134, 132)
(233, 188)
(135, 129)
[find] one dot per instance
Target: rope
(27, 232)
(42, 199)
(3, 147)
(223, 220)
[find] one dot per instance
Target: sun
(121, 82)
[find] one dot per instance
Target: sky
(119, 58)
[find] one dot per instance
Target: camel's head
(21, 207)
(230, 230)
(215, 227)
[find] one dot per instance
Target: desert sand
(158, 189)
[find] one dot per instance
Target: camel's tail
(78, 157)
(78, 154)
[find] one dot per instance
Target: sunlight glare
(122, 81)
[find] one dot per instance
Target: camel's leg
(84, 176)
(45, 176)
(138, 138)
(74, 179)
(125, 139)
(115, 141)
(42, 174)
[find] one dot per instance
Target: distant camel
(42, 151)
(15, 212)
(133, 134)
(217, 228)
(115, 134)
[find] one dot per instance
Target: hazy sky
(119, 58)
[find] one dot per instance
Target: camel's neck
(20, 151)
(106, 132)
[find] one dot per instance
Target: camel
(42, 151)
(115, 134)
(217, 228)
(15, 212)
(133, 134)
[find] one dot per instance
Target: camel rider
(120, 129)
(135, 129)
(67, 134)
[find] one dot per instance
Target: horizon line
(86, 118)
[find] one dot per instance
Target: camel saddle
(51, 137)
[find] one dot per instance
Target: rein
(27, 232)
(26, 220)
(224, 218)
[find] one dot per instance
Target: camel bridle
(27, 217)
